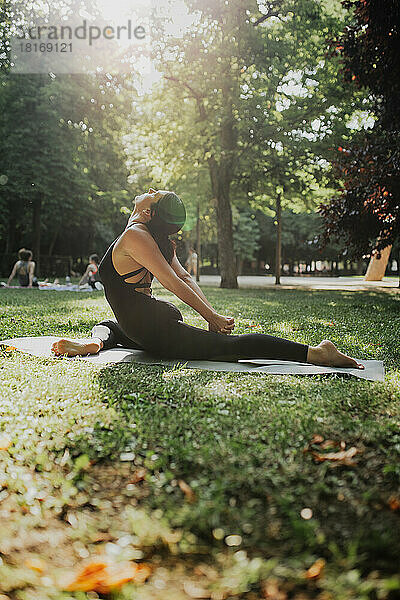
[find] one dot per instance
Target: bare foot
(76, 348)
(326, 354)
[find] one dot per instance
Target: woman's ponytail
(167, 246)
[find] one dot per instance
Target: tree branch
(196, 95)
(265, 17)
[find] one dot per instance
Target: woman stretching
(148, 323)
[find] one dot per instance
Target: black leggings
(23, 281)
(157, 327)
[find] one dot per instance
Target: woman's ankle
(98, 341)
(313, 355)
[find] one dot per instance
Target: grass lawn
(215, 480)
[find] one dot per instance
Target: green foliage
(245, 235)
(366, 215)
(254, 98)
(63, 151)
(268, 90)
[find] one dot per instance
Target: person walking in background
(91, 275)
(191, 262)
(24, 269)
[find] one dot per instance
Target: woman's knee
(171, 311)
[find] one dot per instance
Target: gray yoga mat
(41, 346)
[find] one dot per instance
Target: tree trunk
(278, 251)
(226, 258)
(53, 241)
(37, 209)
(198, 242)
(221, 176)
(377, 266)
(11, 236)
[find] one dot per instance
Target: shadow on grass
(238, 439)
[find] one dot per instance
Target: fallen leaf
(344, 457)
(138, 475)
(10, 348)
(329, 444)
(316, 439)
(104, 577)
(35, 564)
(5, 442)
(87, 577)
(187, 490)
(394, 503)
(316, 569)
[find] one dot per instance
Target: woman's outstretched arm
(185, 276)
(141, 246)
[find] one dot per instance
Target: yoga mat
(58, 287)
(41, 346)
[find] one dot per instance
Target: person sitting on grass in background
(91, 275)
(24, 268)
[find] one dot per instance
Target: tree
(63, 161)
(227, 102)
(306, 112)
(63, 179)
(366, 215)
(204, 67)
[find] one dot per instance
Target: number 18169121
(46, 47)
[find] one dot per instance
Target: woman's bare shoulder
(136, 231)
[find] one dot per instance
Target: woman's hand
(221, 324)
(224, 331)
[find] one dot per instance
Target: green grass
(236, 439)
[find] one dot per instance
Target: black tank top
(107, 270)
(23, 273)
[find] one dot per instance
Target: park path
(316, 283)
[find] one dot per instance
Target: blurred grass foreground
(219, 485)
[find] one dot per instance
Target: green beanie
(171, 209)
